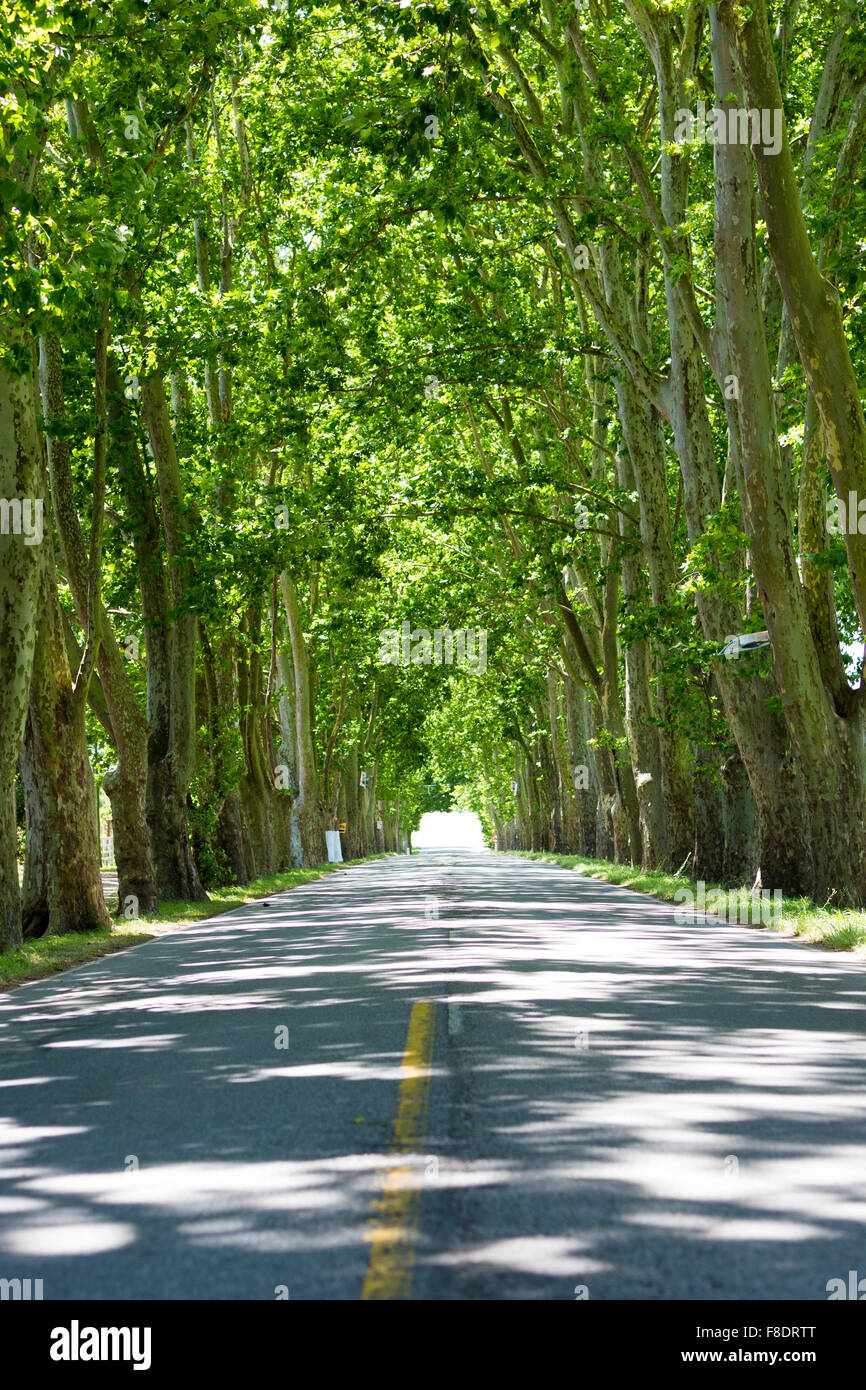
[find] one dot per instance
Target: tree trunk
(171, 675)
(309, 815)
(829, 748)
(813, 304)
(62, 880)
(21, 567)
(126, 783)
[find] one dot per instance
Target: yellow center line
(389, 1272)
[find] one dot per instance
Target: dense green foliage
(453, 332)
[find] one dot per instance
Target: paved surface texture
(619, 1105)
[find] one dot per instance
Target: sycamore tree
(539, 320)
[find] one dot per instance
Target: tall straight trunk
(288, 751)
(501, 829)
(368, 745)
(309, 815)
(528, 803)
(616, 775)
(371, 833)
(258, 794)
(231, 829)
(547, 792)
(371, 836)
(376, 817)
(21, 564)
(351, 804)
(522, 812)
(585, 791)
(144, 528)
(614, 721)
(614, 835)
(243, 853)
(228, 835)
(171, 673)
(641, 721)
(667, 811)
(569, 813)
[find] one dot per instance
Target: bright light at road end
(448, 830)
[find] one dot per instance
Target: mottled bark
(62, 890)
(759, 732)
(829, 750)
(21, 566)
(221, 777)
(569, 811)
(812, 302)
(126, 783)
(641, 718)
(171, 671)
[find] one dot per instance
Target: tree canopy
(538, 326)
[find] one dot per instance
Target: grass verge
(49, 954)
(837, 929)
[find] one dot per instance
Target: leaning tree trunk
(813, 303)
(759, 733)
(829, 749)
(126, 782)
(62, 880)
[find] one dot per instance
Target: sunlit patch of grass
(224, 899)
(837, 929)
(49, 954)
(845, 938)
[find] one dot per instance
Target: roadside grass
(225, 898)
(50, 954)
(836, 929)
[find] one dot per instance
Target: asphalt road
(617, 1106)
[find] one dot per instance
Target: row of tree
(320, 320)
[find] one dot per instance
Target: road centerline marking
(393, 1237)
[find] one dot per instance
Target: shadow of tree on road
(619, 1101)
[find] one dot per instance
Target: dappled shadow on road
(620, 1102)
